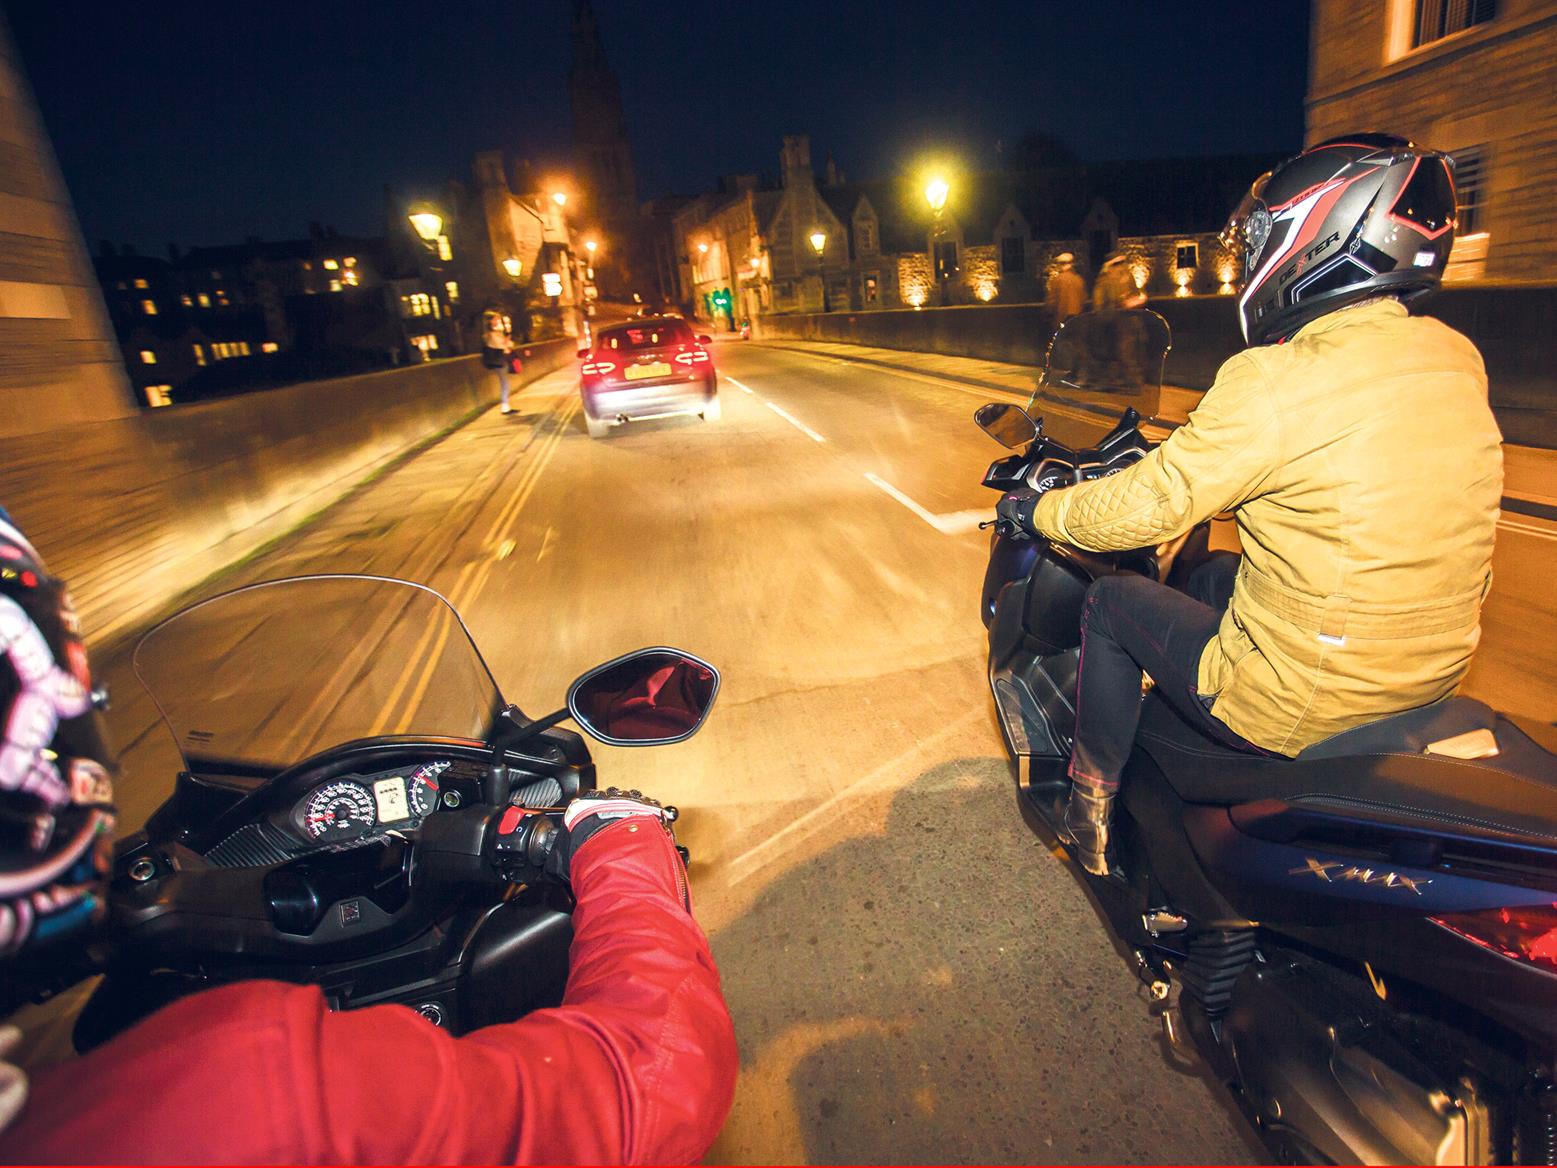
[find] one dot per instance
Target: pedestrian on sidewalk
(497, 343)
(1067, 290)
(1115, 286)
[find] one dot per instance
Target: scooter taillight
(1527, 933)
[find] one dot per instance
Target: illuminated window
(1470, 189)
(426, 342)
(199, 354)
(215, 275)
(188, 300)
(350, 278)
(331, 266)
(417, 304)
(159, 395)
(1013, 255)
(221, 297)
(141, 283)
(243, 348)
(444, 251)
(1188, 256)
(349, 262)
(335, 285)
(453, 289)
(148, 357)
(308, 266)
(269, 347)
(1436, 19)
(205, 301)
(149, 307)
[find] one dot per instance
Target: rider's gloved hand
(592, 812)
(1016, 508)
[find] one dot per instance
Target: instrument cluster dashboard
(1053, 472)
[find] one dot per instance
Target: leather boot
(1089, 818)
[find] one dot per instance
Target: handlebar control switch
(522, 840)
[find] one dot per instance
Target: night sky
(200, 123)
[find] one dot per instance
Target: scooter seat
(1377, 770)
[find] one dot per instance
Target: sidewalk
(1530, 473)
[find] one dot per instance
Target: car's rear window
(646, 336)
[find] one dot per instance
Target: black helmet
(1358, 216)
(56, 785)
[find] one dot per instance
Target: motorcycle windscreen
(268, 675)
(1099, 364)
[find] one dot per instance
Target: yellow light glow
(1226, 289)
(1226, 273)
(819, 241)
(590, 245)
(1141, 271)
(985, 290)
(513, 267)
(350, 261)
(427, 224)
(551, 283)
(560, 198)
(332, 266)
(1183, 276)
(703, 248)
(935, 192)
(916, 297)
(1181, 290)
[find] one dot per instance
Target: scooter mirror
(1006, 424)
(647, 698)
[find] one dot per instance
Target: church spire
(601, 151)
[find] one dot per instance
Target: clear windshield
(268, 675)
(1099, 363)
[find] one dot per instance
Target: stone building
(1476, 78)
(603, 160)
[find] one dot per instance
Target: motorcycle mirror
(1006, 424)
(647, 698)
(583, 353)
(703, 339)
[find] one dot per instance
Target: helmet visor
(1249, 226)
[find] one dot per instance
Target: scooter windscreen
(1100, 363)
(268, 675)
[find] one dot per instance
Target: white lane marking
(795, 422)
(952, 523)
(740, 385)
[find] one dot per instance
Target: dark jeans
(1130, 624)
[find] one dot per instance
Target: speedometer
(423, 786)
(338, 811)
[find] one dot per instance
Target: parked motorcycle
(1361, 941)
(346, 752)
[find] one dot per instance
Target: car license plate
(639, 372)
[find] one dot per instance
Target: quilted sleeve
(1224, 455)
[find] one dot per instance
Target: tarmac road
(914, 978)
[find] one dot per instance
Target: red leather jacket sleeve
(637, 1065)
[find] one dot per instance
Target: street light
(428, 225)
(560, 198)
(589, 246)
(513, 267)
(935, 193)
(819, 242)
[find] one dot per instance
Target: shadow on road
(942, 993)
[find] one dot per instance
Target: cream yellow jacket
(1365, 470)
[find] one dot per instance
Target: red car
(650, 368)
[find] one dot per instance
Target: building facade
(1476, 78)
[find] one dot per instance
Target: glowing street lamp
(819, 242)
(702, 248)
(935, 193)
(428, 225)
(560, 198)
(590, 245)
(513, 267)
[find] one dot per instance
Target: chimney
(795, 160)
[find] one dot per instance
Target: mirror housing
(704, 340)
(650, 697)
(582, 353)
(1006, 424)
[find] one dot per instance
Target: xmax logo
(1332, 871)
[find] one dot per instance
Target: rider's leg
(1211, 582)
(1127, 623)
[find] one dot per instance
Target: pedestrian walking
(497, 343)
(1115, 286)
(1067, 290)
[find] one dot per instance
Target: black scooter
(1361, 941)
(346, 752)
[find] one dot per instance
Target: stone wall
(1491, 86)
(59, 362)
(135, 510)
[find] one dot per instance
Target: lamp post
(819, 242)
(935, 193)
(428, 225)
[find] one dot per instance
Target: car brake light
(599, 368)
(695, 357)
(1527, 933)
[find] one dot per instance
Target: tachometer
(338, 811)
(423, 788)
